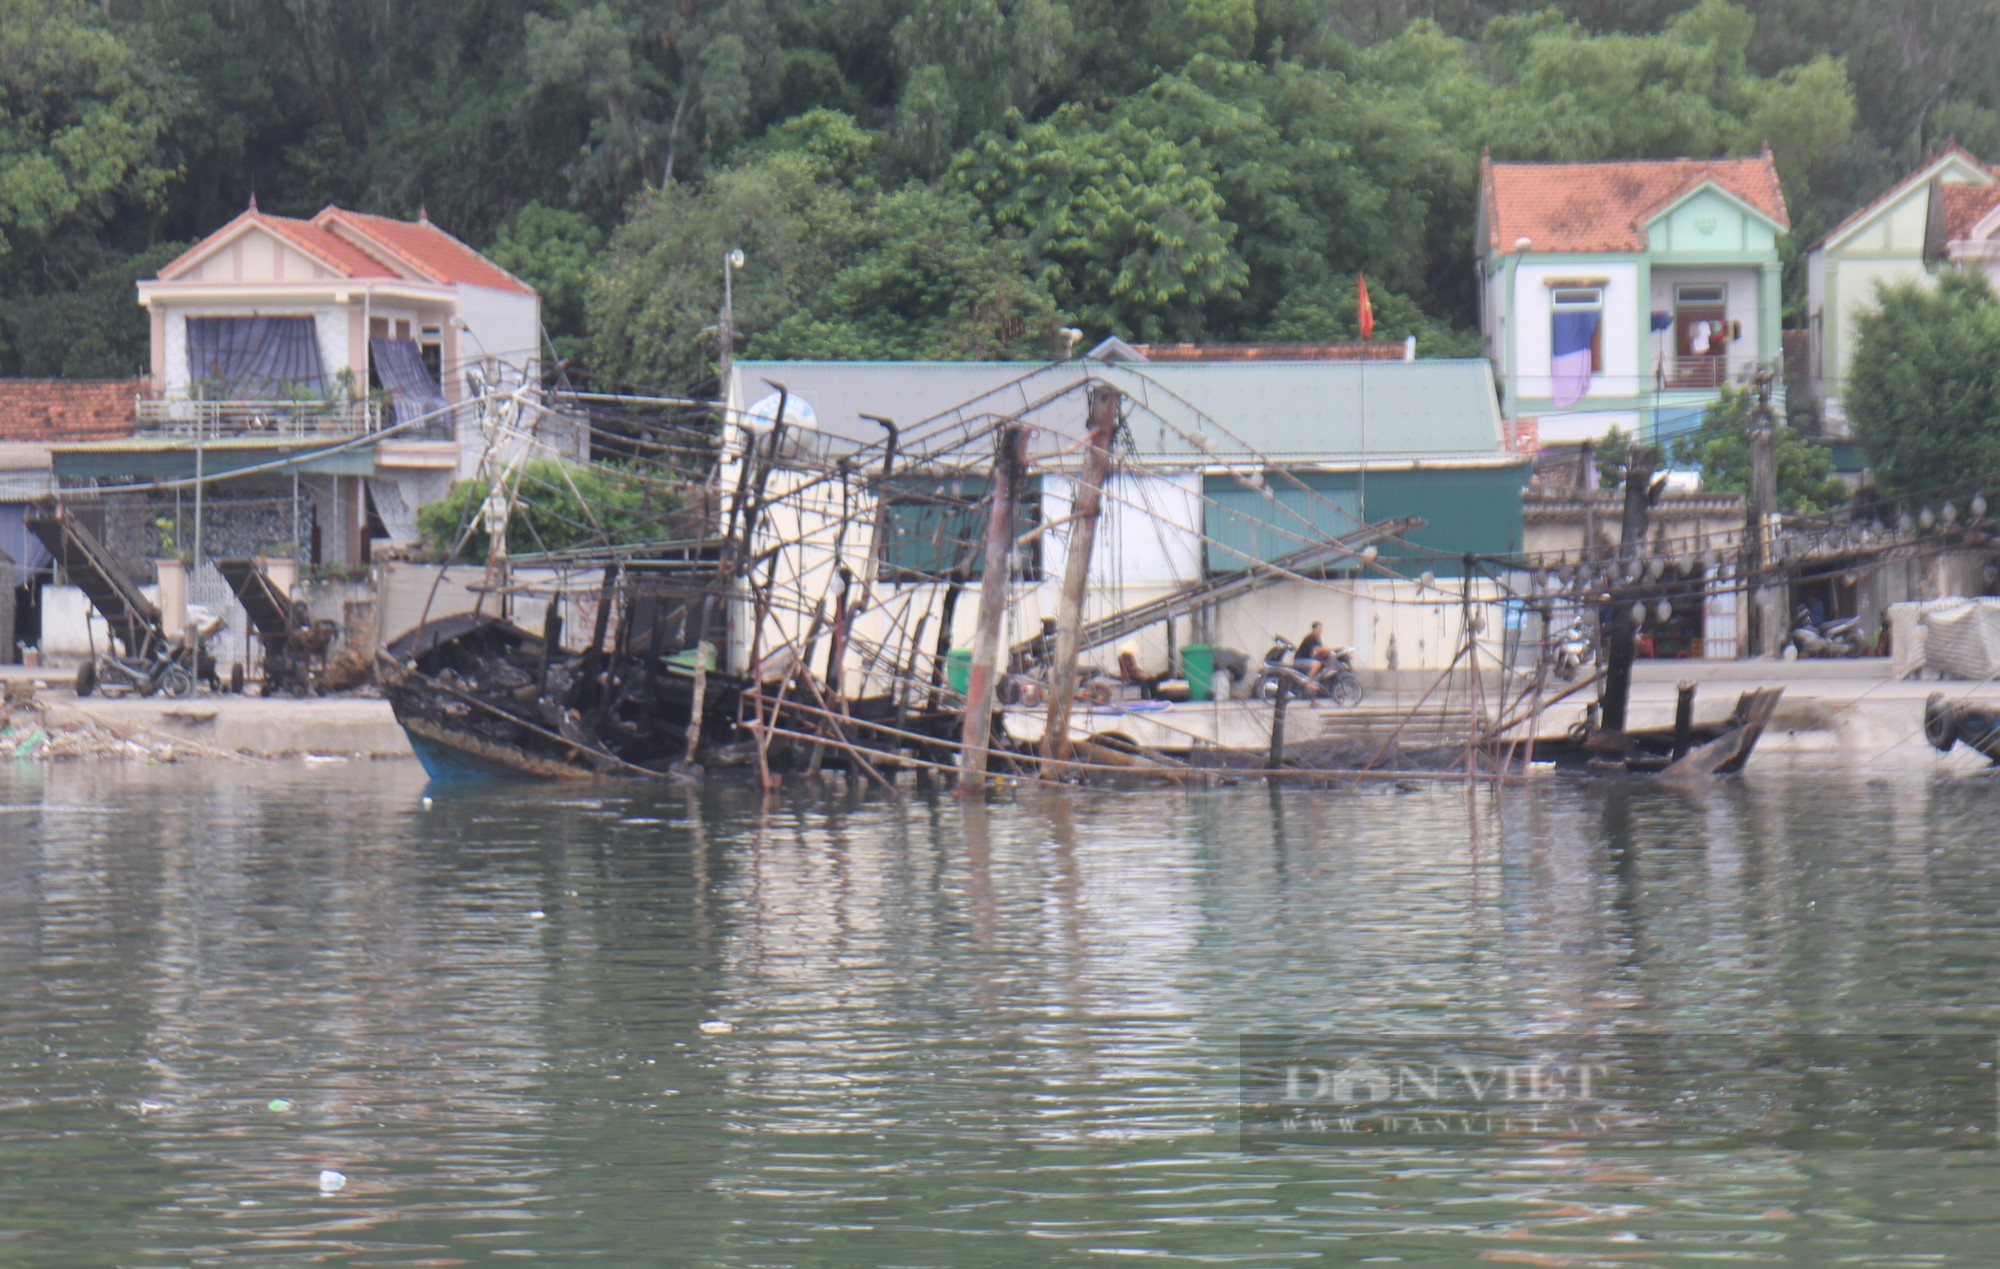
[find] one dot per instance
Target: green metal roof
(151, 458)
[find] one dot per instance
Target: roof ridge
(1724, 158)
(1896, 187)
(326, 216)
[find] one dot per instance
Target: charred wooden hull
(1949, 723)
(485, 698)
(1709, 749)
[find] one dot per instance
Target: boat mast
(1086, 509)
(977, 732)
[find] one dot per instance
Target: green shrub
(559, 507)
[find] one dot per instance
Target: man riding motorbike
(1311, 653)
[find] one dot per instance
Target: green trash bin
(1198, 668)
(958, 670)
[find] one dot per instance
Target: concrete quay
(1834, 710)
(207, 725)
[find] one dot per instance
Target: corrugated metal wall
(1476, 509)
(1240, 522)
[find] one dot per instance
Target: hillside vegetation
(929, 179)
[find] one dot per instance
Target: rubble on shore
(32, 731)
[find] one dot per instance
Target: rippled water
(958, 1035)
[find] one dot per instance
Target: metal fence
(202, 420)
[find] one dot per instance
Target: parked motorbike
(169, 671)
(1334, 679)
(1574, 647)
(1837, 638)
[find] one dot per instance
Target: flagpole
(1364, 312)
(1361, 491)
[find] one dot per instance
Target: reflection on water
(957, 1035)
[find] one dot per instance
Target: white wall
(1622, 337)
(407, 592)
(504, 326)
(1572, 426)
(66, 638)
(1492, 283)
(1149, 533)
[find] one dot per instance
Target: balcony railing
(1691, 374)
(194, 419)
(1705, 370)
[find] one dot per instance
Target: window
(1700, 294)
(1579, 300)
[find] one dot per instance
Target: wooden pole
(1683, 720)
(1087, 507)
(1472, 684)
(948, 613)
(1764, 616)
(698, 701)
(1274, 759)
(1624, 631)
(994, 587)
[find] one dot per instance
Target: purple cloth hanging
(1571, 332)
(399, 364)
(254, 358)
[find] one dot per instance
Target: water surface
(939, 1034)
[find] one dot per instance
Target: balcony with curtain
(259, 377)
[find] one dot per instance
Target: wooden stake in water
(1088, 506)
(977, 732)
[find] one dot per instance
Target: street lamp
(732, 260)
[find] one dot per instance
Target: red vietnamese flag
(1366, 310)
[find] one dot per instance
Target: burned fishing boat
(816, 622)
(1604, 742)
(478, 694)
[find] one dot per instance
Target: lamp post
(731, 262)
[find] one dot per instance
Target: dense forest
(933, 178)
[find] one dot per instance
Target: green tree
(1720, 447)
(929, 280)
(83, 115)
(552, 250)
(558, 506)
(662, 89)
(793, 207)
(1126, 228)
(91, 331)
(1322, 181)
(1611, 454)
(966, 63)
(1923, 395)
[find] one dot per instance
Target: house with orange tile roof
(1948, 210)
(345, 365)
(350, 303)
(1625, 294)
